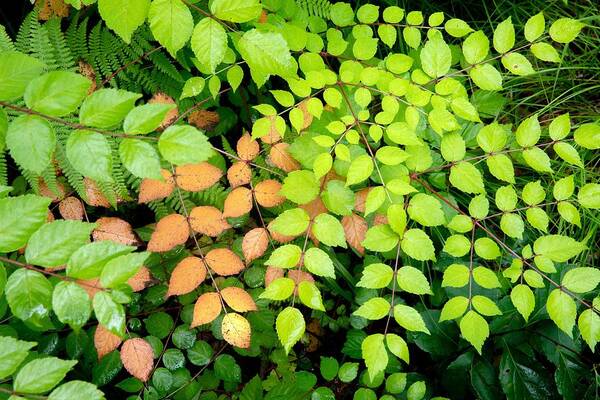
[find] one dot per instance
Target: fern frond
(6, 43)
(3, 169)
(57, 39)
(74, 178)
(318, 8)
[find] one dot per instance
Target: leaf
(137, 357)
(266, 53)
(279, 289)
(239, 174)
(238, 203)
(238, 299)
(290, 327)
(155, 189)
(355, 229)
(171, 231)
(301, 187)
(267, 194)
(562, 310)
(523, 299)
(504, 36)
(534, 27)
(380, 238)
(376, 276)
(581, 279)
(486, 77)
(589, 326)
(397, 346)
(31, 141)
(56, 93)
(486, 278)
(75, 389)
(90, 154)
(374, 354)
(55, 242)
(255, 243)
(29, 295)
(106, 108)
(209, 43)
(528, 132)
(123, 17)
(118, 270)
(588, 136)
(474, 328)
(558, 248)
(436, 57)
(426, 210)
(206, 309)
(589, 195)
(197, 177)
(71, 304)
(374, 309)
(115, 229)
(236, 330)
(409, 318)
(476, 47)
(236, 10)
(485, 306)
(224, 262)
(17, 70)
(319, 263)
(329, 230)
(12, 352)
(417, 244)
(467, 178)
(188, 274)
(454, 308)
(310, 295)
(184, 144)
(109, 313)
(501, 166)
(140, 158)
(171, 24)
(42, 374)
(565, 30)
(520, 379)
(105, 341)
(20, 217)
(517, 64)
(247, 148)
(71, 208)
(545, 52)
(413, 281)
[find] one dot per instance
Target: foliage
(371, 223)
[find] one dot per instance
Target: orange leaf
(273, 273)
(137, 357)
(238, 202)
(105, 341)
(267, 193)
(238, 299)
(239, 174)
(279, 157)
(140, 280)
(355, 228)
(360, 199)
(208, 220)
(71, 208)
(207, 309)
(247, 148)
(94, 196)
(272, 136)
(187, 275)
(197, 177)
(314, 208)
(236, 330)
(308, 117)
(156, 189)
(255, 244)
(115, 229)
(224, 262)
(170, 231)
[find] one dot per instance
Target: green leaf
(29, 295)
(124, 16)
(413, 281)
(456, 275)
(517, 64)
(278, 290)
(474, 328)
(486, 248)
(184, 144)
(106, 108)
(329, 367)
(568, 153)
(16, 71)
(588, 196)
(454, 308)
(533, 193)
(485, 306)
(42, 374)
(291, 222)
(348, 372)
(506, 198)
(53, 243)
(565, 30)
(476, 47)
(562, 310)
(235, 75)
(109, 313)
(397, 218)
(537, 159)
(76, 389)
(467, 178)
(492, 138)
(426, 210)
(140, 158)
(538, 218)
(266, 53)
(535, 26)
(397, 346)
(569, 213)
(338, 198)
(71, 304)
(88, 261)
(31, 141)
(290, 327)
(57, 93)
(147, 118)
(545, 52)
(310, 295)
(528, 132)
(564, 188)
(286, 256)
(504, 36)
(374, 309)
(90, 154)
(319, 263)
(409, 318)
(457, 27)
(236, 10)
(20, 217)
(209, 43)
(329, 230)
(486, 77)
(360, 169)
(375, 199)
(486, 278)
(523, 299)
(512, 224)
(501, 166)
(479, 206)
(464, 109)
(12, 353)
(457, 245)
(192, 87)
(558, 248)
(374, 354)
(589, 326)
(581, 279)
(171, 24)
(417, 244)
(119, 269)
(588, 136)
(380, 238)
(301, 187)
(376, 276)
(436, 57)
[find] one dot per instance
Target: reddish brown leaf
(267, 193)
(207, 309)
(204, 119)
(239, 174)
(156, 189)
(238, 202)
(255, 244)
(224, 262)
(94, 196)
(55, 194)
(247, 148)
(91, 286)
(273, 273)
(105, 341)
(71, 208)
(380, 219)
(236, 330)
(197, 177)
(187, 275)
(140, 280)
(355, 228)
(170, 231)
(115, 229)
(137, 357)
(208, 220)
(360, 199)
(314, 208)
(281, 158)
(238, 299)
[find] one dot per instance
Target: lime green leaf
(464, 109)
(558, 248)
(88, 260)
(492, 137)
(376, 276)
(517, 64)
(501, 166)
(16, 71)
(76, 389)
(476, 47)
(71, 304)
(417, 244)
(545, 52)
(454, 308)
(436, 57)
(375, 199)
(512, 224)
(466, 177)
(171, 24)
(409, 318)
(192, 87)
(209, 43)
(589, 326)
(479, 206)
(57, 93)
(235, 75)
(109, 313)
(504, 36)
(457, 27)
(291, 222)
(301, 187)
(310, 295)
(140, 158)
(278, 290)
(286, 256)
(42, 374)
(119, 269)
(397, 346)
(588, 136)
(535, 26)
(523, 299)
(533, 193)
(31, 142)
(506, 198)
(457, 245)
(589, 196)
(147, 118)
(236, 10)
(106, 108)
(486, 248)
(426, 210)
(374, 309)
(565, 30)
(374, 354)
(360, 169)
(124, 16)
(338, 198)
(290, 327)
(319, 263)
(485, 306)
(387, 34)
(12, 353)
(183, 144)
(266, 53)
(581, 279)
(486, 77)
(537, 218)
(528, 132)
(53, 243)
(397, 218)
(413, 281)
(475, 329)
(486, 278)
(20, 217)
(90, 154)
(562, 310)
(564, 188)
(329, 230)
(380, 238)
(456, 275)
(568, 153)
(460, 223)
(537, 159)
